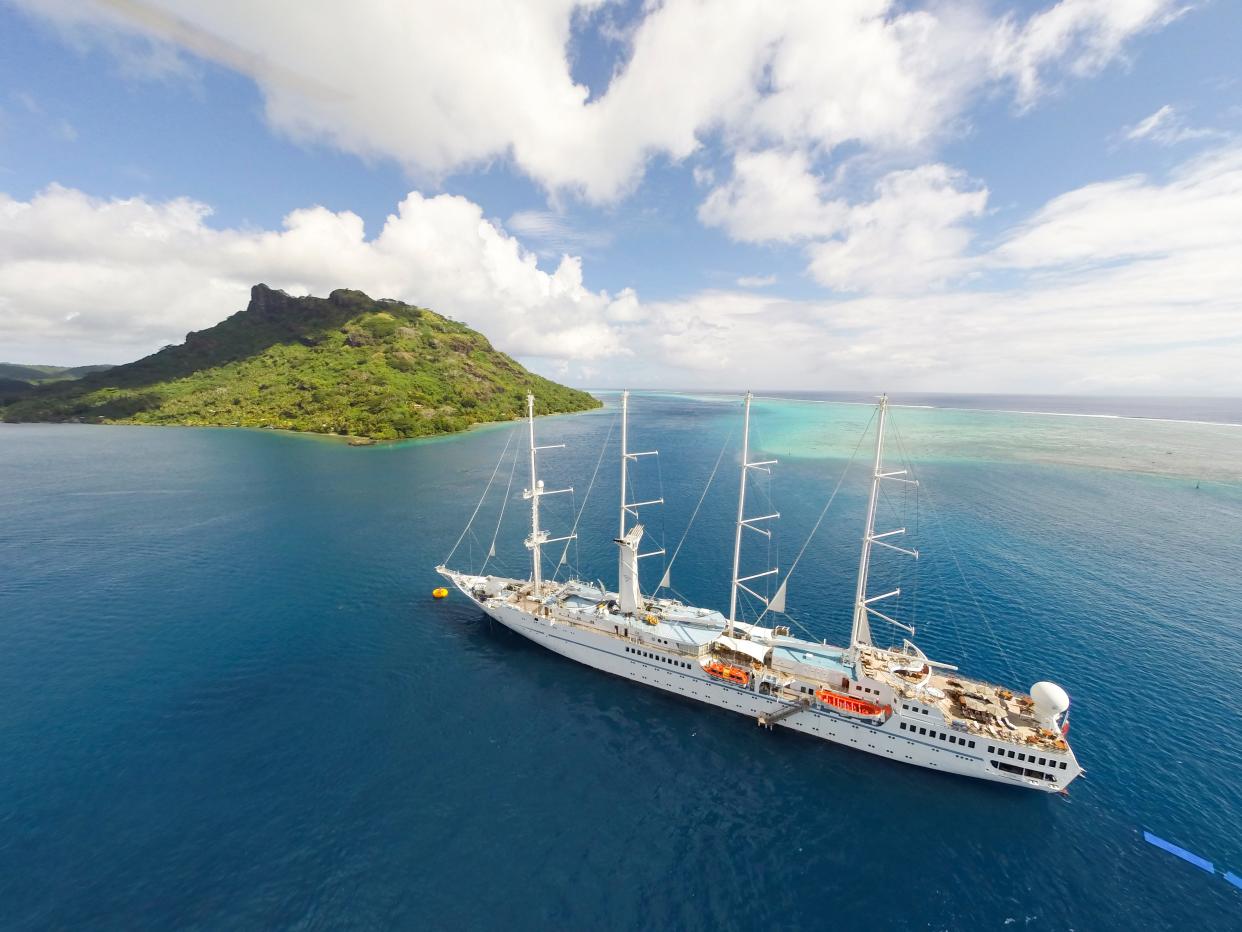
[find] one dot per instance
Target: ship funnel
(1051, 702)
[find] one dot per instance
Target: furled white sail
(628, 596)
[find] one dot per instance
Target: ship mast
(739, 582)
(628, 540)
(537, 537)
(536, 491)
(860, 634)
(625, 456)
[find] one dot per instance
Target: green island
(347, 365)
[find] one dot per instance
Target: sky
(976, 196)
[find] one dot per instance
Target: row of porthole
(817, 730)
(742, 709)
(651, 656)
(1030, 759)
(942, 735)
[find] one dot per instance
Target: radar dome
(1050, 701)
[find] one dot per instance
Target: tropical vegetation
(346, 364)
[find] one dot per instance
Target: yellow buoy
(439, 593)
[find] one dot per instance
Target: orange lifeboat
(724, 671)
(852, 705)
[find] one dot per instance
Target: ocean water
(227, 699)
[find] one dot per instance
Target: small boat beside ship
(891, 701)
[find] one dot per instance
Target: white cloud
(443, 85)
(912, 235)
(1167, 127)
(83, 278)
(1130, 284)
(772, 197)
(756, 281)
(554, 232)
(1197, 211)
(1083, 35)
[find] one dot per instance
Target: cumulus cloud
(1127, 285)
(443, 85)
(97, 279)
(772, 196)
(913, 233)
(1130, 284)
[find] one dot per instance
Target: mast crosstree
(538, 537)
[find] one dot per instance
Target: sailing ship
(893, 702)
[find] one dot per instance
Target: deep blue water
(228, 701)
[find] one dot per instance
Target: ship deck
(973, 706)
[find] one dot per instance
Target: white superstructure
(892, 702)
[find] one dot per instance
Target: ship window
(971, 743)
(924, 711)
(1042, 762)
(1011, 754)
(952, 739)
(1021, 756)
(922, 731)
(1062, 765)
(903, 726)
(991, 749)
(941, 736)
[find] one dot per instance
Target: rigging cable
(491, 550)
(587, 497)
(512, 433)
(828, 505)
(966, 582)
(668, 567)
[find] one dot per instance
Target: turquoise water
(227, 700)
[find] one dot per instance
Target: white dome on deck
(1050, 701)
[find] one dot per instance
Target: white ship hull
(635, 660)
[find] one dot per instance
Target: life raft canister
(439, 593)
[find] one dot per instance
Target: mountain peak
(345, 364)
